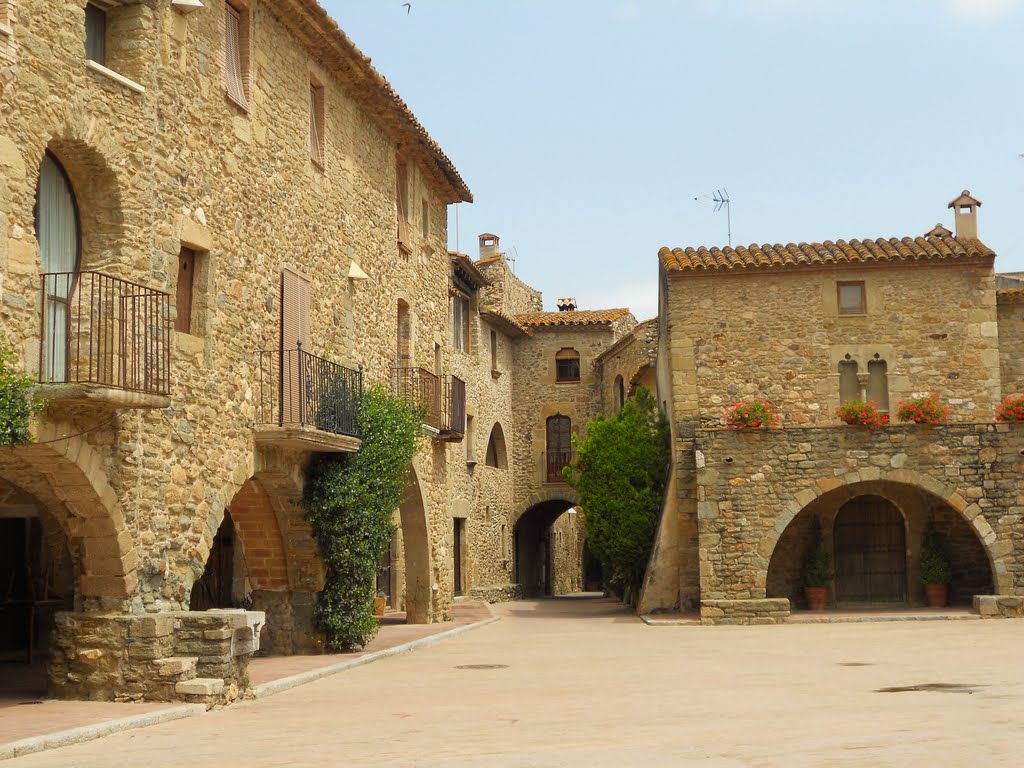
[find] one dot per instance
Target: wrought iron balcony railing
(102, 330)
(442, 401)
(554, 462)
(302, 390)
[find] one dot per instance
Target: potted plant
(923, 410)
(936, 570)
(817, 570)
(1011, 409)
(380, 603)
(863, 413)
(755, 415)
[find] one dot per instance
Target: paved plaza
(568, 682)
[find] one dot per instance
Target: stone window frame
(403, 204)
(564, 359)
(863, 309)
(108, 14)
(8, 17)
(317, 122)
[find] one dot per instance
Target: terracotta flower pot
(936, 595)
(379, 605)
(816, 597)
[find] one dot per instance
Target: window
(402, 206)
(496, 456)
(236, 54)
(494, 351)
(57, 230)
(849, 387)
(96, 34)
(470, 452)
(425, 218)
(404, 348)
(186, 290)
(559, 446)
(852, 300)
(460, 323)
(878, 383)
(620, 393)
(317, 140)
(567, 365)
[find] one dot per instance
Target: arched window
(496, 456)
(849, 388)
(559, 446)
(620, 393)
(567, 365)
(57, 230)
(878, 383)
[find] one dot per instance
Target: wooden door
(870, 552)
(294, 336)
(457, 551)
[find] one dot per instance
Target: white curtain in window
(58, 248)
(459, 309)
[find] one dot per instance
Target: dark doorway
(460, 525)
(870, 552)
(533, 551)
(384, 575)
(214, 589)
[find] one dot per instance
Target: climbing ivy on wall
(620, 473)
(350, 500)
(17, 403)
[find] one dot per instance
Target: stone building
(219, 224)
(807, 327)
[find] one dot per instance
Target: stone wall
(753, 485)
(632, 358)
(507, 293)
(1010, 312)
(777, 335)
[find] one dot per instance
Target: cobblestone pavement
(583, 682)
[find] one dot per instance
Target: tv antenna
(512, 256)
(721, 200)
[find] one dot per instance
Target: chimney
(488, 245)
(567, 305)
(965, 211)
(938, 232)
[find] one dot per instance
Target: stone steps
(177, 669)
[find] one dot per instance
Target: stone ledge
(769, 610)
(498, 593)
(304, 439)
(999, 606)
(200, 686)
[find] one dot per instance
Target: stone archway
(415, 570)
(912, 506)
(956, 499)
(541, 566)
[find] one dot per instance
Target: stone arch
(260, 536)
(956, 499)
(416, 547)
(66, 477)
(496, 454)
(534, 563)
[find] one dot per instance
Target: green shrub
(817, 567)
(935, 565)
(350, 500)
(17, 403)
(620, 474)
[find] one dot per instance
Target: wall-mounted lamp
(187, 6)
(356, 273)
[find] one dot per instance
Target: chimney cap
(488, 236)
(965, 198)
(939, 231)
(567, 304)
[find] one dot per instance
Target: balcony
(104, 341)
(554, 462)
(307, 403)
(442, 400)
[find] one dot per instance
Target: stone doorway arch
(412, 576)
(538, 566)
(870, 547)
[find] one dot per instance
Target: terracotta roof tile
(576, 317)
(1010, 293)
(840, 252)
(507, 324)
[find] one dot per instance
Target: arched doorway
(408, 564)
(543, 538)
(870, 546)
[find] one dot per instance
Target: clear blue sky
(585, 128)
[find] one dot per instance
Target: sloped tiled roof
(576, 317)
(503, 322)
(821, 254)
(1015, 293)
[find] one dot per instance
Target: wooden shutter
(294, 329)
(233, 29)
(186, 286)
